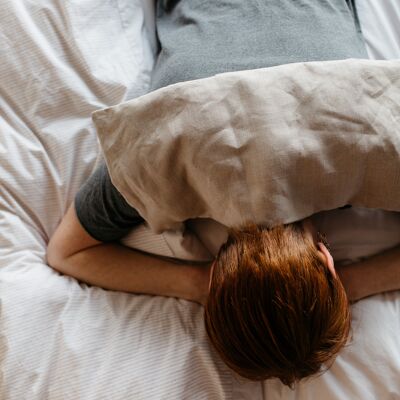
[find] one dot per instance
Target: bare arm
(376, 274)
(72, 251)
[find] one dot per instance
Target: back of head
(274, 309)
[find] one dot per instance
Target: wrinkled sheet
(60, 339)
(380, 25)
(268, 145)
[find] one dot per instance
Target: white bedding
(63, 340)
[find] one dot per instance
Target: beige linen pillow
(271, 145)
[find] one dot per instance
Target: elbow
(54, 256)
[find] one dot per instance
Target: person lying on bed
(274, 305)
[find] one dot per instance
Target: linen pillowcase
(272, 145)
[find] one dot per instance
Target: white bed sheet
(380, 22)
(63, 340)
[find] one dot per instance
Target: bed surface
(60, 339)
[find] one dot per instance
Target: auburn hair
(274, 308)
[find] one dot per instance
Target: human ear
(328, 259)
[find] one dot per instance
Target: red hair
(274, 309)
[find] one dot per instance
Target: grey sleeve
(101, 209)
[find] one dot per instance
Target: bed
(61, 339)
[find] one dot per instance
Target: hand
(202, 283)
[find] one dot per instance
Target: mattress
(61, 339)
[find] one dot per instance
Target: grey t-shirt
(102, 210)
(200, 38)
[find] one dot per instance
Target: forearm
(377, 274)
(119, 268)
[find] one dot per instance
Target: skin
(376, 274)
(324, 253)
(111, 266)
(71, 251)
